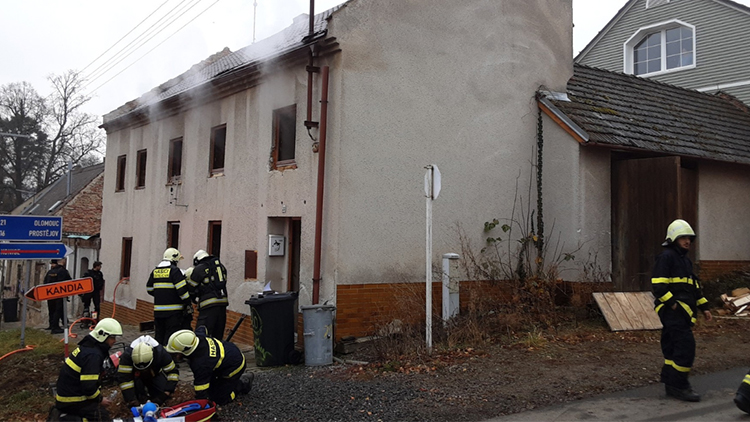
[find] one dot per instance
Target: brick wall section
(83, 214)
(144, 311)
(713, 269)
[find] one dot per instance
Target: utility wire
(129, 49)
(157, 45)
(123, 37)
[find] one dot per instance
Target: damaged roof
(292, 38)
(619, 110)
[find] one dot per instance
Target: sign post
(432, 185)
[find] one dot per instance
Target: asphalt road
(651, 404)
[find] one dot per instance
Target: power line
(157, 45)
(141, 39)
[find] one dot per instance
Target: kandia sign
(61, 289)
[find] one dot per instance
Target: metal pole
(25, 301)
(428, 259)
(65, 323)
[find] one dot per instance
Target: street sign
(61, 289)
(30, 228)
(17, 251)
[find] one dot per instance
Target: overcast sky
(43, 37)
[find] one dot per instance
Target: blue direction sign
(33, 250)
(29, 228)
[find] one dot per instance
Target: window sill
(174, 182)
(664, 72)
(119, 190)
(217, 174)
(140, 187)
(285, 165)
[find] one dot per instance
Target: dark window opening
(214, 238)
(218, 148)
(173, 234)
(140, 176)
(251, 265)
(125, 259)
(175, 160)
(284, 136)
(120, 185)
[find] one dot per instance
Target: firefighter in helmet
(78, 392)
(171, 296)
(208, 285)
(218, 366)
(147, 372)
(678, 299)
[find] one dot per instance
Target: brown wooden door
(647, 195)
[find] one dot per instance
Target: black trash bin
(10, 310)
(273, 328)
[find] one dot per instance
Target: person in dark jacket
(171, 296)
(208, 286)
(678, 299)
(218, 366)
(78, 392)
(96, 274)
(146, 372)
(56, 273)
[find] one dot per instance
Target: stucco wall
(722, 191)
(415, 83)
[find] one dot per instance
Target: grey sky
(42, 37)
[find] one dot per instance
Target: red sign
(61, 289)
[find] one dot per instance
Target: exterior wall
(722, 53)
(414, 84)
(722, 201)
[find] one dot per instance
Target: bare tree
(60, 132)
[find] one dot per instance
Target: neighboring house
(77, 197)
(696, 44)
(226, 156)
(648, 153)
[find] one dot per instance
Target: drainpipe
(309, 124)
(321, 179)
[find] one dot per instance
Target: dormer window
(660, 48)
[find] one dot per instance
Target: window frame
(141, 160)
(212, 171)
(643, 33)
(278, 114)
(122, 161)
(211, 241)
(174, 172)
(172, 233)
(251, 265)
(126, 257)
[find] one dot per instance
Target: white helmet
(172, 254)
(143, 355)
(182, 341)
(199, 255)
(106, 328)
(678, 228)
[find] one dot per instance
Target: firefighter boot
(686, 394)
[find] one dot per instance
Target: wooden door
(647, 195)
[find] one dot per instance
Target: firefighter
(96, 275)
(208, 284)
(147, 372)
(57, 273)
(678, 298)
(171, 296)
(218, 366)
(78, 392)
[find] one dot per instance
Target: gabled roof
(56, 194)
(625, 111)
(292, 38)
(624, 9)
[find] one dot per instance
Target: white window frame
(641, 33)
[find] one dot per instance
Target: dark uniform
(673, 282)
(78, 385)
(96, 295)
(151, 383)
(55, 306)
(742, 397)
(217, 367)
(208, 286)
(171, 298)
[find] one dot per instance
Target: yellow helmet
(199, 255)
(678, 228)
(182, 341)
(143, 355)
(107, 327)
(172, 254)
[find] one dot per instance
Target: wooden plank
(632, 312)
(650, 318)
(609, 314)
(620, 314)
